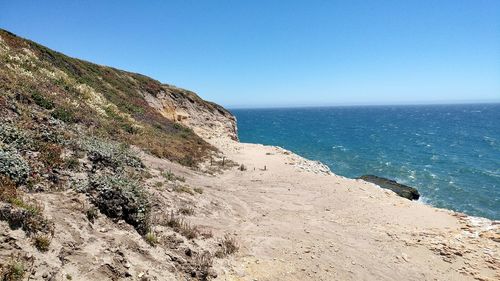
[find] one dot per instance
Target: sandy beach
(295, 220)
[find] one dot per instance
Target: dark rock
(400, 189)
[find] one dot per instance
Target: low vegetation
(16, 268)
(180, 226)
(92, 213)
(151, 238)
(42, 242)
(186, 211)
(168, 175)
(120, 197)
(227, 246)
(183, 189)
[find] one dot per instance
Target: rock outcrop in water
(400, 189)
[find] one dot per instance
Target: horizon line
(463, 102)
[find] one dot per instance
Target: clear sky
(283, 53)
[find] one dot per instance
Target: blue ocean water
(450, 153)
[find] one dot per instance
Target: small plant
(151, 238)
(227, 246)
(158, 184)
(168, 175)
(72, 163)
(198, 190)
(91, 214)
(69, 277)
(242, 168)
(42, 242)
(188, 161)
(13, 271)
(183, 188)
(186, 210)
(33, 209)
(181, 226)
(204, 263)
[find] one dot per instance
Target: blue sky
(283, 53)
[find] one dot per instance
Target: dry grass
(204, 263)
(8, 189)
(186, 210)
(227, 246)
(183, 189)
(151, 238)
(42, 242)
(180, 226)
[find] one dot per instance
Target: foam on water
(451, 153)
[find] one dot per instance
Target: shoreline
(422, 199)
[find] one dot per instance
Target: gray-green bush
(13, 165)
(120, 197)
(110, 153)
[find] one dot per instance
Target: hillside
(111, 175)
(71, 139)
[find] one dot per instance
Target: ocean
(450, 153)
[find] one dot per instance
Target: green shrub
(28, 216)
(72, 163)
(64, 115)
(42, 101)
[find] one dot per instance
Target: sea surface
(450, 153)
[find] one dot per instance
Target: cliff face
(205, 118)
